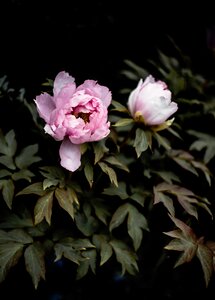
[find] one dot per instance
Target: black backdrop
(90, 40)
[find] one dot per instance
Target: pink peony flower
(152, 101)
(74, 115)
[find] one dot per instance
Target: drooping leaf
(4, 173)
(99, 149)
(140, 142)
(205, 256)
(67, 199)
(10, 254)
(8, 162)
(166, 200)
(118, 106)
(162, 141)
(8, 188)
(35, 263)
(88, 171)
(125, 257)
(43, 208)
(110, 172)
(21, 220)
(27, 157)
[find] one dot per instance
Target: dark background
(90, 40)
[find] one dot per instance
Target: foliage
(103, 212)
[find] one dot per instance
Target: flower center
(84, 116)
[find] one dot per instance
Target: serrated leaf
(125, 257)
(205, 256)
(88, 263)
(15, 235)
(10, 254)
(35, 263)
(8, 191)
(27, 157)
(34, 188)
(110, 172)
(43, 208)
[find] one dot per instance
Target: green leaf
(166, 200)
(35, 188)
(4, 173)
(162, 141)
(23, 174)
(205, 256)
(88, 263)
(47, 183)
(52, 173)
(35, 263)
(101, 209)
(8, 162)
(125, 257)
(8, 188)
(88, 171)
(67, 198)
(86, 223)
(43, 208)
(119, 191)
(15, 235)
(204, 141)
(110, 172)
(118, 106)
(69, 249)
(102, 243)
(113, 160)
(8, 143)
(99, 149)
(124, 122)
(140, 142)
(21, 220)
(27, 157)
(10, 254)
(135, 222)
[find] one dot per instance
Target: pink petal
(45, 106)
(61, 80)
(91, 87)
(70, 155)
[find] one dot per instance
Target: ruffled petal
(45, 106)
(70, 155)
(61, 80)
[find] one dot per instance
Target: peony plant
(124, 186)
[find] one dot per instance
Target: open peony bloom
(74, 115)
(152, 101)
